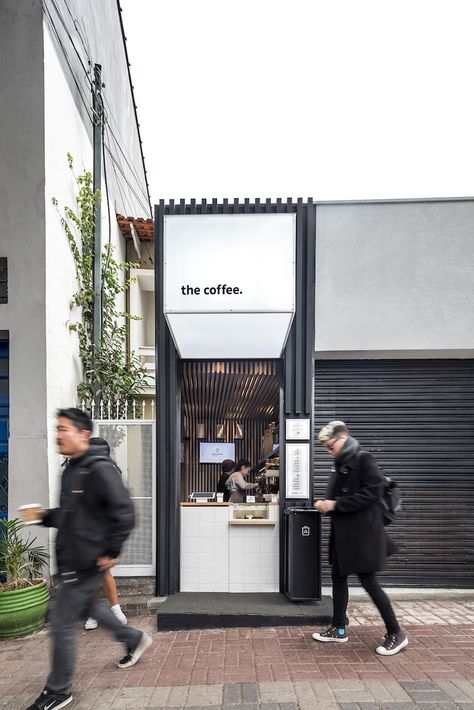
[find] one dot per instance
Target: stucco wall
(22, 241)
(395, 279)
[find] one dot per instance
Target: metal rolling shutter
(417, 418)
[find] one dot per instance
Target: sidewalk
(266, 668)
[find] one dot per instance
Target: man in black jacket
(358, 543)
(94, 518)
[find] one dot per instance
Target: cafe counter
(230, 547)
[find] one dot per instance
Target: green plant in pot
(24, 596)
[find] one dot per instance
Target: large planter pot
(23, 611)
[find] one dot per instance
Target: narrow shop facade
(379, 334)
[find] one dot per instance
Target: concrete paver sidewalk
(266, 668)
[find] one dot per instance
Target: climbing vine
(110, 373)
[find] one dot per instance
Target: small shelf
(255, 521)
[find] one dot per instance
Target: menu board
(297, 429)
(297, 471)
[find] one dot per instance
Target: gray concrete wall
(22, 241)
(395, 279)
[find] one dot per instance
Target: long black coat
(358, 542)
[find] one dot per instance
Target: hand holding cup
(32, 513)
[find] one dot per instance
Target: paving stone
(397, 706)
(466, 686)
(348, 706)
(177, 696)
(397, 693)
(277, 692)
(205, 695)
(250, 693)
(429, 696)
(159, 697)
(452, 691)
(352, 696)
(232, 694)
(418, 685)
(287, 706)
(378, 691)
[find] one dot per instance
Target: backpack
(391, 501)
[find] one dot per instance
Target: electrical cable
(87, 72)
(119, 167)
(56, 33)
(145, 195)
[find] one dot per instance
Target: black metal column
(168, 435)
(297, 400)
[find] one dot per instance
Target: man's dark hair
(80, 419)
(243, 463)
(99, 441)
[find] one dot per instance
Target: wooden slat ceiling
(230, 391)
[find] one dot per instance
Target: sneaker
(51, 701)
(91, 623)
(334, 634)
(136, 653)
(393, 644)
(119, 614)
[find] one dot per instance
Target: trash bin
(303, 554)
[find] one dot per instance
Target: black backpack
(391, 502)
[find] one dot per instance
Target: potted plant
(24, 596)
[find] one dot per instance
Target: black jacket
(358, 542)
(222, 488)
(95, 515)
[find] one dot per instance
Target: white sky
(333, 99)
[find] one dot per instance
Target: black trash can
(303, 554)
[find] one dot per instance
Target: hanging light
(200, 433)
(238, 431)
(220, 433)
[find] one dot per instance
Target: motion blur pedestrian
(359, 543)
(94, 518)
(109, 586)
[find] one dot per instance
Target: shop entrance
(229, 411)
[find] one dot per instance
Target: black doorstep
(221, 610)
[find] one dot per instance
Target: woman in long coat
(358, 542)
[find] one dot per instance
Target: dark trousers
(75, 601)
(340, 595)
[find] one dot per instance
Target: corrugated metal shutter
(417, 418)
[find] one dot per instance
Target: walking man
(358, 542)
(94, 518)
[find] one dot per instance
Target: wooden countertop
(197, 505)
(254, 521)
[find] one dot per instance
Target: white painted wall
(67, 135)
(395, 279)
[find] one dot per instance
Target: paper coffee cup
(31, 506)
(220, 497)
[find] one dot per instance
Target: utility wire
(87, 106)
(132, 189)
(130, 167)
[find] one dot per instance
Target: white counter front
(218, 555)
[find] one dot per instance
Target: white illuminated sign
(229, 283)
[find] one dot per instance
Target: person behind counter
(236, 483)
(228, 467)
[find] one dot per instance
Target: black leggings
(340, 594)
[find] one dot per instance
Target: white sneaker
(91, 624)
(119, 613)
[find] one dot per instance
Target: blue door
(4, 412)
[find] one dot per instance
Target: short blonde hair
(332, 429)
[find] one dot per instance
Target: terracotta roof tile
(145, 227)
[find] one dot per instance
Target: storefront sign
(298, 429)
(297, 471)
(229, 283)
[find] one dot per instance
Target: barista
(228, 467)
(236, 483)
